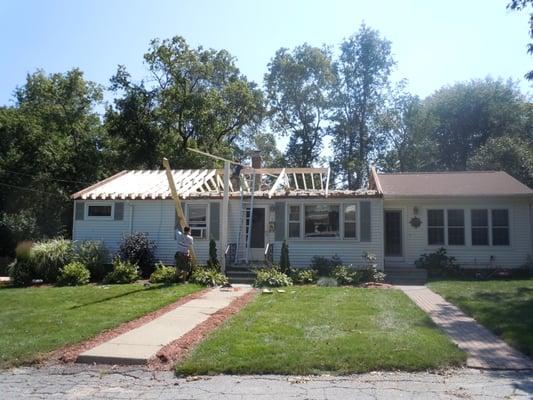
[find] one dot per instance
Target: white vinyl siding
(513, 255)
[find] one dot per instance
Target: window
(198, 221)
(435, 227)
(456, 227)
(294, 221)
(350, 221)
(480, 227)
(322, 221)
(500, 227)
(100, 210)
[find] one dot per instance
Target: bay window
(456, 227)
(480, 227)
(500, 227)
(436, 227)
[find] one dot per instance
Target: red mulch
(178, 349)
(376, 285)
(71, 352)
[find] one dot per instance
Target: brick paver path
(484, 349)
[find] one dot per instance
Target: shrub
(208, 277)
(15, 228)
(284, 261)
(49, 256)
(73, 274)
(271, 277)
(23, 250)
(303, 276)
(164, 274)
(213, 257)
(370, 272)
(346, 275)
(138, 249)
(94, 255)
(324, 266)
(327, 282)
(438, 264)
(123, 272)
(21, 273)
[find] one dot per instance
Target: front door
(393, 233)
(257, 240)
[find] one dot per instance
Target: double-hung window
(500, 227)
(321, 220)
(198, 221)
(480, 227)
(436, 227)
(350, 221)
(456, 227)
(294, 221)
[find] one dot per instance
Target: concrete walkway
(484, 349)
(139, 345)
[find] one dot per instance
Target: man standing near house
(183, 255)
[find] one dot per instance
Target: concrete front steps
(405, 275)
(240, 275)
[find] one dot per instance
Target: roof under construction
(209, 183)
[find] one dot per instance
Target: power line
(52, 179)
(28, 189)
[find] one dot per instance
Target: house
(482, 218)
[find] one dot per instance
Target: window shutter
(119, 211)
(214, 221)
(280, 222)
(80, 210)
(366, 233)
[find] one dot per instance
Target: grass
(504, 307)
(311, 330)
(34, 321)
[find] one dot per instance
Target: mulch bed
(70, 353)
(178, 349)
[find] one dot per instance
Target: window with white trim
(500, 227)
(480, 227)
(294, 221)
(436, 227)
(456, 227)
(198, 220)
(350, 221)
(100, 211)
(321, 220)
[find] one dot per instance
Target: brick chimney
(257, 162)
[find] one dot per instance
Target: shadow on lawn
(117, 296)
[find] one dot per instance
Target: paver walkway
(139, 345)
(484, 349)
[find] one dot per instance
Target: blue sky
(434, 42)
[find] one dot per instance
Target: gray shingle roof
(443, 184)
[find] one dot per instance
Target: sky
(435, 43)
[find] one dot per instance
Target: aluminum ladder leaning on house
(245, 223)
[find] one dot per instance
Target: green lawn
(505, 307)
(37, 320)
(310, 330)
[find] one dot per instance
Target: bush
(284, 261)
(123, 272)
(21, 273)
(164, 274)
(213, 263)
(346, 275)
(271, 277)
(48, 257)
(327, 282)
(208, 277)
(15, 228)
(303, 276)
(325, 266)
(138, 249)
(438, 264)
(73, 274)
(94, 255)
(370, 272)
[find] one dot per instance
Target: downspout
(131, 217)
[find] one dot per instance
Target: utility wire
(28, 189)
(52, 179)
